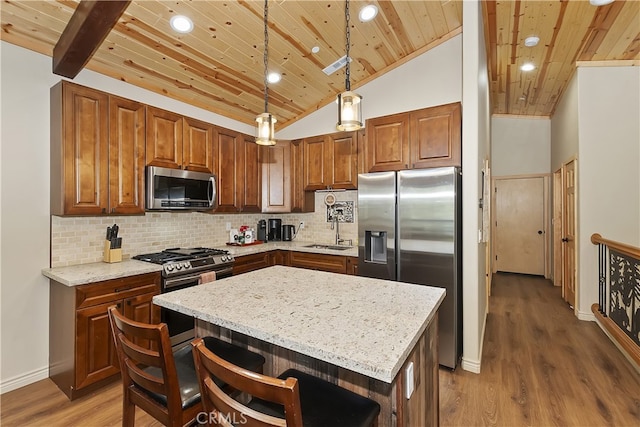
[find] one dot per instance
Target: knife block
(111, 255)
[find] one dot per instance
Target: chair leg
(128, 410)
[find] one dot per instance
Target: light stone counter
(82, 274)
(296, 245)
(365, 325)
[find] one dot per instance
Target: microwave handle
(212, 190)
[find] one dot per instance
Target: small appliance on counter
(262, 230)
(274, 230)
(288, 233)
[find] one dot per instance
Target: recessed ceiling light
(181, 24)
(528, 67)
(274, 77)
(315, 49)
(368, 12)
(600, 2)
(531, 41)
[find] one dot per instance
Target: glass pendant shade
(349, 111)
(265, 129)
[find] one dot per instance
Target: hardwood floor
(541, 367)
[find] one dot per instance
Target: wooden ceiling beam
(88, 27)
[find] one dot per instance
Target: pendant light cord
(347, 32)
(266, 56)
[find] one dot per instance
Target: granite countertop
(295, 245)
(365, 325)
(75, 275)
(98, 271)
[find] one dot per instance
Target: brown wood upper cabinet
(331, 161)
(430, 137)
(276, 177)
(178, 142)
(97, 152)
(238, 172)
(301, 200)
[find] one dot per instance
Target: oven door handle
(172, 283)
(225, 272)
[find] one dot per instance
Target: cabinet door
(227, 147)
(388, 143)
(126, 156)
(141, 309)
(436, 137)
(197, 146)
(322, 262)
(342, 160)
(276, 177)
(81, 183)
(352, 265)
(315, 173)
(164, 138)
(301, 201)
(250, 177)
(96, 357)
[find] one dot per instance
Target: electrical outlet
(301, 225)
(228, 226)
(408, 378)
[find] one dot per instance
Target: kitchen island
(374, 337)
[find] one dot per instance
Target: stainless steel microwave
(177, 189)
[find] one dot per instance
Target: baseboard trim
(588, 316)
(24, 379)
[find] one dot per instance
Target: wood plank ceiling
(219, 65)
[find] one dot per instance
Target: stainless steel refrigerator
(410, 230)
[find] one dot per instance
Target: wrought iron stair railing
(618, 308)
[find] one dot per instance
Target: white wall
(608, 168)
(564, 126)
(433, 78)
(476, 136)
(520, 146)
(26, 78)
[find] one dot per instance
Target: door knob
(565, 239)
(539, 231)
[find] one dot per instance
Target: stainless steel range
(181, 268)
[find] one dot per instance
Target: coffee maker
(274, 230)
(262, 230)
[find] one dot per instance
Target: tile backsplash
(79, 240)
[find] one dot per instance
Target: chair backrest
(224, 410)
(134, 358)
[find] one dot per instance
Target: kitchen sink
(334, 247)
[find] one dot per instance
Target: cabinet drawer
(322, 262)
(247, 263)
(116, 289)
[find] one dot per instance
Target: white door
(519, 225)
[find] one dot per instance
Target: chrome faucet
(337, 226)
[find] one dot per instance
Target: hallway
(541, 366)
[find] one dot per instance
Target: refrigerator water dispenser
(376, 246)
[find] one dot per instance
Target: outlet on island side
(301, 225)
(409, 381)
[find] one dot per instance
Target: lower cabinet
(247, 263)
(82, 354)
(352, 265)
(322, 262)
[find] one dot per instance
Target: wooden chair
(293, 399)
(162, 382)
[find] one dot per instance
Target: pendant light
(349, 103)
(265, 127)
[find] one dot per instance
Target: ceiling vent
(332, 68)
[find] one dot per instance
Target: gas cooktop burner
(181, 254)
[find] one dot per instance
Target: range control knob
(178, 266)
(169, 267)
(186, 265)
(224, 258)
